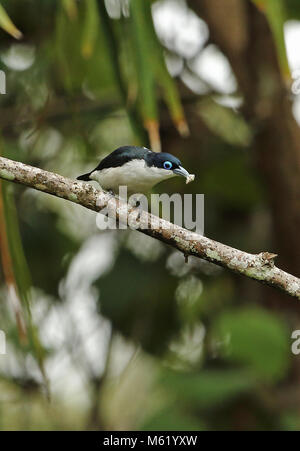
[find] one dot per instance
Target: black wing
(85, 177)
(119, 157)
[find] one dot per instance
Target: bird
(137, 168)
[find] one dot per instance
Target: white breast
(136, 175)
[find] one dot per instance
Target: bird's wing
(121, 156)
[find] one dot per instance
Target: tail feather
(85, 177)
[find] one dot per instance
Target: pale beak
(181, 171)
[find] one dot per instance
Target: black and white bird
(138, 168)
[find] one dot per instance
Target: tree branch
(259, 267)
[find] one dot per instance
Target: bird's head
(167, 162)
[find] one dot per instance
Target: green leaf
(255, 338)
(71, 8)
(73, 55)
(19, 261)
(163, 77)
(172, 418)
(275, 11)
(292, 8)
(152, 72)
(21, 271)
(21, 274)
(8, 25)
(122, 57)
(209, 387)
(90, 29)
(224, 122)
(146, 80)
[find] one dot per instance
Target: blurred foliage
(256, 339)
(276, 13)
(128, 335)
(7, 24)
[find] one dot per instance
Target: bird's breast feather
(135, 174)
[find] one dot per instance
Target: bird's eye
(167, 165)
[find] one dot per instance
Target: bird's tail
(85, 177)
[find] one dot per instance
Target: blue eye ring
(167, 165)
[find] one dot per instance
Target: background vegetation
(112, 330)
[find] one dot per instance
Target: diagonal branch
(259, 267)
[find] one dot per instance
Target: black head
(164, 160)
(167, 162)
